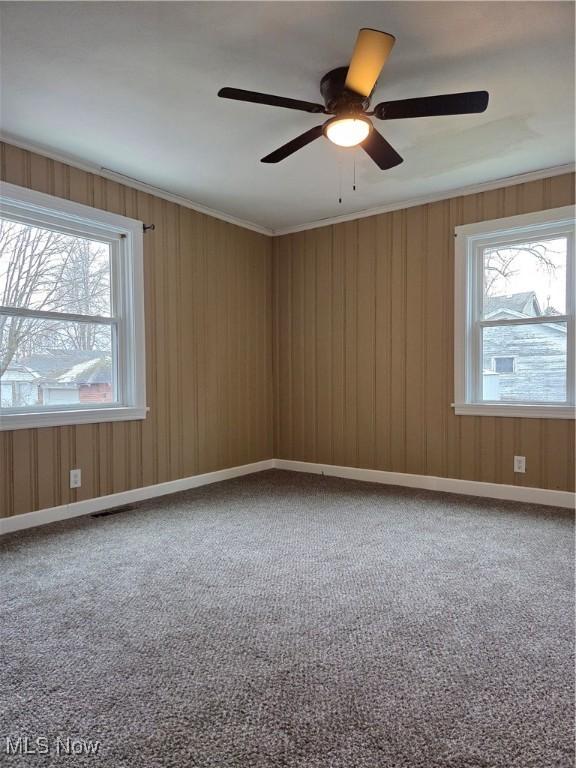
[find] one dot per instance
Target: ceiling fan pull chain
(340, 180)
(354, 180)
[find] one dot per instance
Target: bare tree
(501, 264)
(84, 290)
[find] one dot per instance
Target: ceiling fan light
(347, 131)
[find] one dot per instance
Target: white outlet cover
(75, 478)
(519, 463)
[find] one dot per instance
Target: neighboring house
(18, 386)
(523, 362)
(91, 377)
(58, 377)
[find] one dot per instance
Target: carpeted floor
(293, 620)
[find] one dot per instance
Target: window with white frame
(71, 313)
(514, 316)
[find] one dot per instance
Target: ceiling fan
(346, 92)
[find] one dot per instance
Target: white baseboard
(426, 482)
(89, 506)
(431, 483)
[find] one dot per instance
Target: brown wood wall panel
(208, 299)
(363, 362)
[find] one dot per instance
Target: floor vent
(113, 511)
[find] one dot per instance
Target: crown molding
(471, 189)
(129, 181)
(150, 189)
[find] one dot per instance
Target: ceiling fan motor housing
(337, 98)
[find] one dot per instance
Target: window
(71, 313)
(503, 364)
(514, 316)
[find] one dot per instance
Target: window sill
(514, 411)
(10, 421)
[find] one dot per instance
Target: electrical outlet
(519, 463)
(75, 478)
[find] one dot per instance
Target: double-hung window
(71, 313)
(514, 316)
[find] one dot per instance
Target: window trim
(49, 211)
(468, 238)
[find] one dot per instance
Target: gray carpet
(297, 621)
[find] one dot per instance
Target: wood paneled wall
(209, 354)
(357, 316)
(363, 347)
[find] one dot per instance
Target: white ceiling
(132, 87)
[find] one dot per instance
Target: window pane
(538, 355)
(51, 362)
(53, 271)
(525, 280)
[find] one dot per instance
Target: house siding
(540, 361)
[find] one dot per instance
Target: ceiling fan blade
(293, 146)
(267, 98)
(383, 154)
(370, 53)
(433, 106)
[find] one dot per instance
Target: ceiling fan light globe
(347, 131)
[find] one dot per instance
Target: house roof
(525, 303)
(71, 366)
(18, 372)
(520, 305)
(97, 370)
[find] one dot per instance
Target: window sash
(112, 322)
(60, 221)
(478, 353)
(46, 314)
(52, 407)
(475, 351)
(540, 320)
(116, 246)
